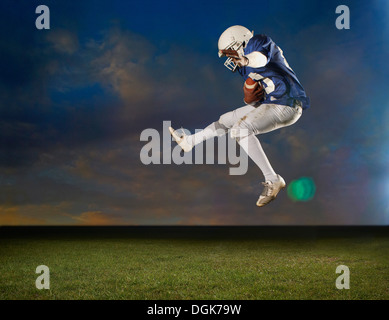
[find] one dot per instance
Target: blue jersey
(277, 77)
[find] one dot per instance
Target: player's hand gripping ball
(254, 92)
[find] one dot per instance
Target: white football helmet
(236, 38)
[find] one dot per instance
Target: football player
(273, 96)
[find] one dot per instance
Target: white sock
(213, 130)
(253, 148)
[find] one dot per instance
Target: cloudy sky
(74, 100)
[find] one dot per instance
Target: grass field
(194, 263)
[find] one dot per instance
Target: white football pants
(253, 121)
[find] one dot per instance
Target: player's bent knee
(226, 119)
(238, 132)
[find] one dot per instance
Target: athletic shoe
(181, 140)
(270, 191)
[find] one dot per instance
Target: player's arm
(254, 59)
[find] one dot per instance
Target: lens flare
(302, 189)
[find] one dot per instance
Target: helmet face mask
(229, 63)
(236, 38)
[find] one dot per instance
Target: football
(253, 92)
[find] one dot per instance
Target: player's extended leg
(265, 118)
(217, 128)
(273, 182)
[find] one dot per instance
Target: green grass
(182, 268)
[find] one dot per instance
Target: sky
(75, 99)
